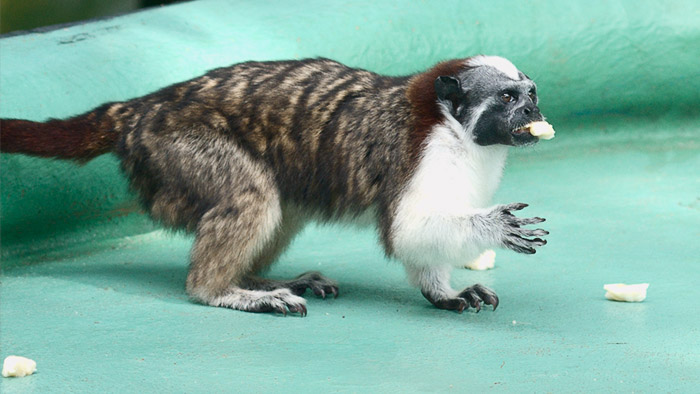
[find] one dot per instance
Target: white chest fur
(455, 177)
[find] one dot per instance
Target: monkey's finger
(539, 241)
(519, 248)
(526, 221)
(523, 232)
(516, 206)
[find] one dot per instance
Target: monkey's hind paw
(472, 296)
(279, 300)
(319, 284)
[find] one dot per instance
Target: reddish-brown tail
(80, 138)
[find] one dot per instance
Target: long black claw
(319, 292)
(320, 285)
(334, 290)
(299, 308)
(539, 241)
(477, 294)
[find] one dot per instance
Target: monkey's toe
(472, 296)
(298, 308)
(319, 284)
(282, 305)
(477, 294)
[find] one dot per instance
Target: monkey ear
(449, 91)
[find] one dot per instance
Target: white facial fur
(454, 179)
(501, 64)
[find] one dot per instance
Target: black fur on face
(490, 105)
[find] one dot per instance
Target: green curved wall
(595, 62)
(103, 310)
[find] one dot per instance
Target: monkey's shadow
(164, 279)
(161, 280)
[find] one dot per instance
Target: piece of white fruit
(17, 366)
(541, 130)
(485, 261)
(626, 293)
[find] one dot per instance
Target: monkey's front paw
(472, 296)
(319, 284)
(515, 237)
(477, 294)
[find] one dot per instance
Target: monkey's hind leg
(234, 243)
(229, 240)
(319, 284)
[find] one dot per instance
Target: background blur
(31, 14)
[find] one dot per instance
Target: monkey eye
(507, 98)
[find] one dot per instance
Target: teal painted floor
(622, 203)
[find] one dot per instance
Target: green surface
(97, 298)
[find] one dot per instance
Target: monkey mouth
(520, 130)
(521, 136)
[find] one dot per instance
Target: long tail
(79, 138)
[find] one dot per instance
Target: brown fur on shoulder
(421, 94)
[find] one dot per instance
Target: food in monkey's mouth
(541, 130)
(626, 293)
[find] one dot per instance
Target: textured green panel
(619, 186)
(595, 58)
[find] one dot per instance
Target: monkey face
(492, 100)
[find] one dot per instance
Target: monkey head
(492, 100)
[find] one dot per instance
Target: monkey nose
(528, 110)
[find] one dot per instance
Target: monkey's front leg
(431, 245)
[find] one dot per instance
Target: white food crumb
(17, 366)
(541, 130)
(485, 261)
(626, 293)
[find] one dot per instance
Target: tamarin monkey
(244, 156)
